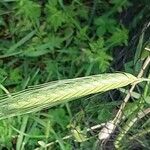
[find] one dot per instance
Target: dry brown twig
(110, 126)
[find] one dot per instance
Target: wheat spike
(57, 92)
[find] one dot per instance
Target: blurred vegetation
(46, 40)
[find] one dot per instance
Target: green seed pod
(57, 92)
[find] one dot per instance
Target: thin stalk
(111, 126)
(20, 136)
(118, 116)
(95, 127)
(134, 117)
(129, 124)
(140, 134)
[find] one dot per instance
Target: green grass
(43, 41)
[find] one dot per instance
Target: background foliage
(42, 41)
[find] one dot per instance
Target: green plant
(50, 94)
(42, 41)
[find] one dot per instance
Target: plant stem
(129, 124)
(117, 118)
